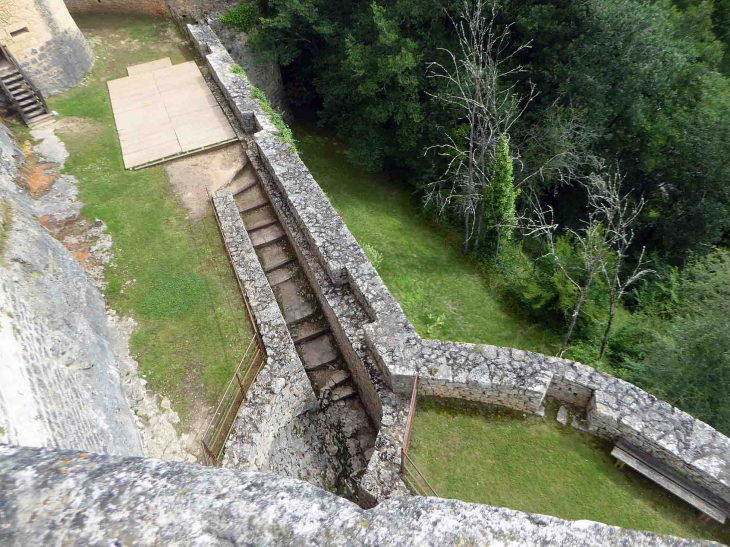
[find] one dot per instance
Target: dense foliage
(641, 85)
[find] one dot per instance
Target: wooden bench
(708, 503)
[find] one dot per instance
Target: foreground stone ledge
(57, 497)
(484, 373)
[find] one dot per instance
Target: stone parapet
(483, 373)
(73, 498)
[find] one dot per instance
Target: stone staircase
(307, 325)
(24, 96)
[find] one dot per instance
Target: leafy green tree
(501, 195)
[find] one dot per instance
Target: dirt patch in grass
(192, 177)
(73, 125)
(500, 457)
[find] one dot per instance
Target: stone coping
(74, 498)
(281, 391)
(486, 373)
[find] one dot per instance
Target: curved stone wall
(72, 498)
(46, 43)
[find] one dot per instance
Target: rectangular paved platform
(163, 110)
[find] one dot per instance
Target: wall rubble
(510, 377)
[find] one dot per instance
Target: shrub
(241, 18)
(374, 256)
(6, 219)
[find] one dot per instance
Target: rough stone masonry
(54, 497)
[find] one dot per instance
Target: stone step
(294, 302)
(267, 236)
(273, 255)
(285, 273)
(262, 226)
(253, 207)
(315, 331)
(319, 352)
(259, 216)
(337, 378)
(247, 187)
(342, 392)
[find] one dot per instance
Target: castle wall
(60, 383)
(46, 43)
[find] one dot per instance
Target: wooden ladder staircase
(26, 98)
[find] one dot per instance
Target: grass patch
(6, 224)
(169, 273)
(442, 293)
(498, 457)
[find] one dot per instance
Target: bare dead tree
(477, 84)
(620, 214)
(559, 150)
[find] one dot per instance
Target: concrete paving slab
(149, 67)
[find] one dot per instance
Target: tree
(604, 239)
(476, 85)
(619, 216)
(500, 196)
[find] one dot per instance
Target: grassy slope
(422, 267)
(192, 322)
(496, 457)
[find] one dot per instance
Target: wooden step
(38, 114)
(27, 100)
(7, 80)
(25, 94)
(40, 120)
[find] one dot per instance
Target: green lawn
(192, 320)
(441, 292)
(498, 457)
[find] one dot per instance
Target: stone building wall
(59, 381)
(45, 42)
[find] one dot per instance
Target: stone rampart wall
(147, 7)
(510, 377)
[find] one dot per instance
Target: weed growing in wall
(6, 219)
(374, 256)
(282, 130)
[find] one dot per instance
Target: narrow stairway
(25, 98)
(308, 328)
